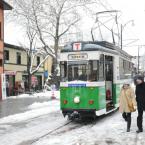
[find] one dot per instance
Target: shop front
(10, 83)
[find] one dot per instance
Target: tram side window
(93, 70)
(121, 68)
(125, 69)
(101, 68)
(63, 70)
(128, 71)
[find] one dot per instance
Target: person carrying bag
(127, 104)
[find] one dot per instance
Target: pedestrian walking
(140, 98)
(127, 104)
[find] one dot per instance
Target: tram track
(50, 132)
(58, 130)
(66, 128)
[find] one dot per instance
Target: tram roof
(97, 46)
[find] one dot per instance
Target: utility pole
(121, 35)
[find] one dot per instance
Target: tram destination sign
(83, 56)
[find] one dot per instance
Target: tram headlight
(77, 99)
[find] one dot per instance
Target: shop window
(38, 60)
(6, 55)
(18, 58)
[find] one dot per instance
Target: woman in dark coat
(140, 98)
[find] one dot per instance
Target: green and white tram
(92, 74)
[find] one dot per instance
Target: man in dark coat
(140, 98)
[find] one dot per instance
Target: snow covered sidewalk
(38, 119)
(45, 94)
(34, 110)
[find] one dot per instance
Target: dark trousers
(140, 118)
(127, 117)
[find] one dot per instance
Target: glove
(135, 107)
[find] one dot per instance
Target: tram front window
(77, 72)
(83, 71)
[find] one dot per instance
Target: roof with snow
(11, 46)
(97, 46)
(4, 5)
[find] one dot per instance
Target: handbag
(130, 105)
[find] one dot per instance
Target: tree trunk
(29, 81)
(28, 71)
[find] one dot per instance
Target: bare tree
(50, 21)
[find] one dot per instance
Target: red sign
(33, 79)
(77, 46)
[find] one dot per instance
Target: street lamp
(122, 28)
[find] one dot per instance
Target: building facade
(3, 6)
(15, 68)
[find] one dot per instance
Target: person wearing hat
(140, 98)
(127, 103)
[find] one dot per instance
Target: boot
(124, 116)
(139, 131)
(128, 122)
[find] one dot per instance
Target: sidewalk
(13, 106)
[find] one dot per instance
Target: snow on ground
(37, 109)
(41, 118)
(108, 131)
(36, 121)
(44, 94)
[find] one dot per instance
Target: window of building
(0, 31)
(38, 60)
(1, 62)
(6, 55)
(18, 58)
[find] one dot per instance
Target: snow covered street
(40, 122)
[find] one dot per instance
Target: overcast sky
(130, 10)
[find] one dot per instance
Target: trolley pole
(122, 28)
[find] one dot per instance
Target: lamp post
(122, 28)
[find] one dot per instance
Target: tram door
(109, 82)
